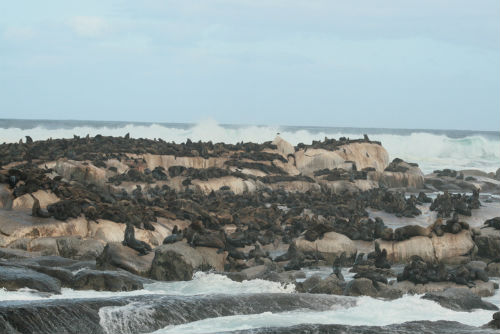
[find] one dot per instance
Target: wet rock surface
(109, 315)
(431, 327)
(459, 300)
(14, 278)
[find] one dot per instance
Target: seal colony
(113, 213)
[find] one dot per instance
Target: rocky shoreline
(115, 213)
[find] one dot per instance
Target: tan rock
(363, 154)
(26, 201)
(5, 197)
(452, 245)
(45, 245)
(78, 171)
(106, 230)
(166, 161)
(331, 246)
(284, 148)
(29, 227)
(295, 186)
(436, 248)
(413, 178)
(402, 251)
(236, 184)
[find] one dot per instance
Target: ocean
(431, 149)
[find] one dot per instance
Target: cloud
(89, 26)
(19, 33)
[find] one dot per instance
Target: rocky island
(332, 221)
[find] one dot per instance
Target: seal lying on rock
(130, 241)
(493, 222)
(409, 231)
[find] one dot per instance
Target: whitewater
(431, 149)
(350, 311)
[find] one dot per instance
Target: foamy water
(430, 150)
(368, 311)
(201, 284)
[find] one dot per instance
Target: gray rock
(106, 281)
(115, 255)
(331, 285)
(14, 278)
(175, 262)
(488, 246)
(495, 323)
(459, 300)
(78, 248)
(361, 287)
(493, 269)
(178, 261)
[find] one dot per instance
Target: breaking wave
(431, 149)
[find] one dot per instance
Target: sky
(432, 64)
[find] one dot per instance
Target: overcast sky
(362, 63)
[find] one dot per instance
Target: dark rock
(488, 246)
(106, 281)
(459, 300)
(115, 255)
(78, 248)
(331, 285)
(361, 287)
(175, 262)
(495, 323)
(14, 278)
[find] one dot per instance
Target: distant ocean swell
(429, 148)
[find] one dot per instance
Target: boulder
(106, 281)
(459, 300)
(44, 245)
(26, 201)
(78, 248)
(10, 253)
(495, 323)
(402, 251)
(452, 245)
(430, 249)
(115, 255)
(362, 154)
(284, 147)
(78, 171)
(14, 278)
(331, 285)
(483, 289)
(331, 246)
(178, 261)
(400, 174)
(488, 246)
(493, 269)
(361, 287)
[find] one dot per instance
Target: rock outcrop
(179, 261)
